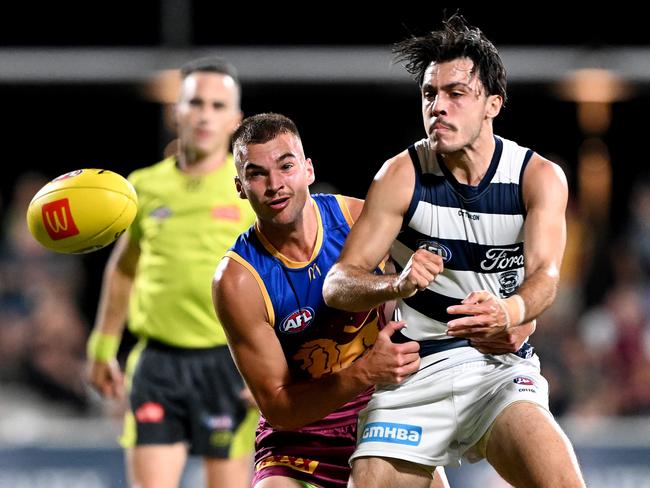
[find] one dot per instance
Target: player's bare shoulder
(229, 275)
(397, 168)
(236, 295)
(396, 178)
(540, 167)
(544, 179)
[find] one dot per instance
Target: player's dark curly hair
(259, 129)
(456, 39)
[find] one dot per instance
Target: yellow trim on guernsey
(285, 260)
(344, 208)
(267, 299)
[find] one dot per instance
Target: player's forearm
(538, 292)
(114, 301)
(354, 289)
(304, 403)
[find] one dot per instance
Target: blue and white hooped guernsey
(478, 231)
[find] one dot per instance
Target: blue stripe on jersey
(433, 305)
(445, 191)
(461, 255)
(498, 198)
(470, 264)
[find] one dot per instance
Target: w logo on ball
(58, 221)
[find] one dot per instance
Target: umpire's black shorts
(187, 395)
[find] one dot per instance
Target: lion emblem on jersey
(325, 356)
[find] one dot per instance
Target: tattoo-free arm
(289, 404)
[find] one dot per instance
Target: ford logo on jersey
(297, 321)
(393, 433)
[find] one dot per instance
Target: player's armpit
(350, 284)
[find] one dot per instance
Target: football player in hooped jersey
(454, 210)
(309, 367)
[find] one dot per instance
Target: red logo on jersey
(57, 219)
(226, 212)
(150, 412)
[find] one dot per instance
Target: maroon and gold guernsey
(317, 340)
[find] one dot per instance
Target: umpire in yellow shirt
(185, 392)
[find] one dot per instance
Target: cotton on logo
(297, 321)
(150, 412)
(57, 219)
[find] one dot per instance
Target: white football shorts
(439, 414)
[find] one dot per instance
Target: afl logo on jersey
(436, 248)
(297, 321)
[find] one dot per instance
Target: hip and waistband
(428, 347)
(162, 346)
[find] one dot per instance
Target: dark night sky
(122, 23)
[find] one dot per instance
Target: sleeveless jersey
(184, 225)
(478, 231)
(316, 339)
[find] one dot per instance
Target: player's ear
(310, 171)
(494, 104)
(240, 188)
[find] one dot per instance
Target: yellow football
(82, 211)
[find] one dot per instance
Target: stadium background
(73, 90)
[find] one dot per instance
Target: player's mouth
(278, 203)
(439, 127)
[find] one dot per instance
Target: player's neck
(470, 164)
(193, 163)
(296, 240)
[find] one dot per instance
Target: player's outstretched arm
(351, 284)
(286, 404)
(103, 371)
